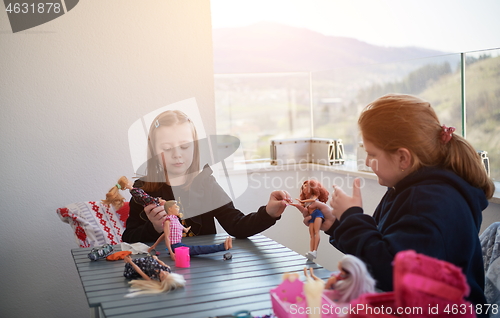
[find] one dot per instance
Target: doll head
(171, 207)
(113, 197)
(313, 189)
(124, 183)
(356, 279)
(168, 281)
(173, 149)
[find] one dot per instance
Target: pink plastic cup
(182, 258)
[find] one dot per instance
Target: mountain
(271, 47)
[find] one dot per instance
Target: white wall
(69, 90)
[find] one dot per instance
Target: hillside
(483, 108)
(271, 47)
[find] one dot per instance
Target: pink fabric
(432, 287)
(175, 229)
(420, 281)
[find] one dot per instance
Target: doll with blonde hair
(174, 172)
(172, 235)
(437, 188)
(156, 276)
(352, 281)
(114, 197)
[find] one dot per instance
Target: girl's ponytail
(404, 121)
(460, 157)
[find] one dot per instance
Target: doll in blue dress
(310, 191)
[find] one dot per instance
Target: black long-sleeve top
(205, 196)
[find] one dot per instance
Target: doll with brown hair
(310, 191)
(114, 198)
(156, 276)
(172, 234)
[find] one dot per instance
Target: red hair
(404, 121)
(312, 188)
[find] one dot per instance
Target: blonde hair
(168, 204)
(358, 280)
(398, 121)
(142, 286)
(156, 174)
(114, 197)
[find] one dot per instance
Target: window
(258, 108)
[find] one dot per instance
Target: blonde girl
(173, 172)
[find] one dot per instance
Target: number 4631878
(477, 309)
(41, 7)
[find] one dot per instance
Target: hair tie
(118, 186)
(446, 134)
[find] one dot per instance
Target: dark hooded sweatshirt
(433, 212)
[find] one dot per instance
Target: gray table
(215, 287)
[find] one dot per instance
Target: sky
(446, 25)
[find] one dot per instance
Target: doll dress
(148, 265)
(316, 214)
(144, 199)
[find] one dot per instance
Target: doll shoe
(311, 255)
(98, 253)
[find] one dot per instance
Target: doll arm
(306, 200)
(330, 283)
(156, 243)
(160, 261)
(128, 259)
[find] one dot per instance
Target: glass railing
(464, 89)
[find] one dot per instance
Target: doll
(352, 281)
(310, 191)
(157, 276)
(114, 198)
(172, 234)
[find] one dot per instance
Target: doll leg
(205, 249)
(316, 227)
(312, 253)
(228, 243)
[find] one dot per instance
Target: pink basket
(289, 301)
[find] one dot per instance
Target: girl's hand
(340, 201)
(172, 256)
(304, 211)
(156, 214)
(327, 212)
(301, 208)
(278, 201)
